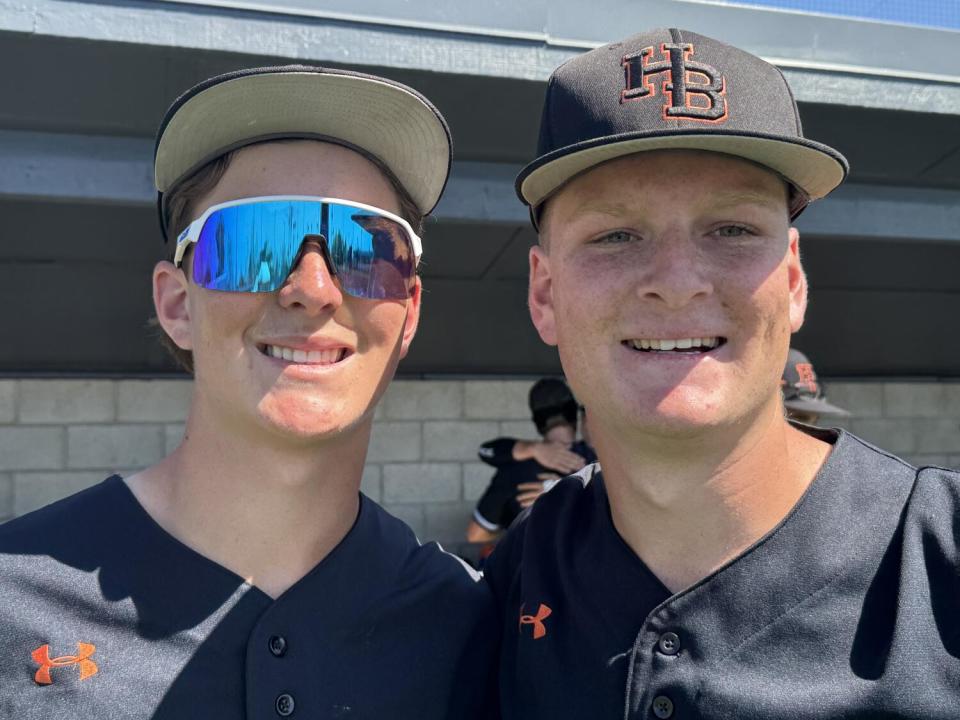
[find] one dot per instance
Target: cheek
(219, 319)
(380, 323)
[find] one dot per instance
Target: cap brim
(813, 405)
(814, 168)
(394, 125)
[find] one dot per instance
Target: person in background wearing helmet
(518, 483)
(245, 575)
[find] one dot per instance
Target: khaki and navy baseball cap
(674, 89)
(389, 123)
(802, 391)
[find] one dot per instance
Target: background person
(517, 483)
(803, 395)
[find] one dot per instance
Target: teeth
(678, 344)
(320, 357)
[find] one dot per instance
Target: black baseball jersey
(498, 506)
(105, 615)
(849, 608)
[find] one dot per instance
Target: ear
(797, 279)
(540, 295)
(413, 318)
(171, 303)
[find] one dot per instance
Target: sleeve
(493, 507)
(497, 453)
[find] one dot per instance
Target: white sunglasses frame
(192, 233)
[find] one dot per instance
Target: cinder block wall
(58, 436)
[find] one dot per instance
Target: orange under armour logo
(539, 629)
(41, 656)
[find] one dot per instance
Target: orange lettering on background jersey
(41, 656)
(539, 629)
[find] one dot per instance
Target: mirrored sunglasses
(252, 245)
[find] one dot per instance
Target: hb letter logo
(539, 629)
(41, 656)
(693, 90)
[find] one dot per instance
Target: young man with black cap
(245, 576)
(724, 563)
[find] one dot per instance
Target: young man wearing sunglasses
(245, 576)
(724, 563)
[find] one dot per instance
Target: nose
(677, 272)
(311, 284)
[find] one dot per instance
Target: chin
(306, 421)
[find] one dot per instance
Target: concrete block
(32, 490)
(421, 482)
(114, 446)
(371, 484)
(938, 436)
(153, 400)
(8, 401)
(394, 442)
(423, 400)
(66, 401)
(31, 448)
(412, 515)
(927, 400)
(893, 435)
(456, 439)
(952, 401)
(520, 429)
(172, 436)
(496, 399)
(476, 477)
(446, 522)
(6, 496)
(862, 399)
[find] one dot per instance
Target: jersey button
(278, 645)
(662, 707)
(669, 643)
(285, 705)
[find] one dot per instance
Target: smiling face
(670, 282)
(307, 361)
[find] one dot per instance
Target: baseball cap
(801, 389)
(674, 89)
(552, 403)
(389, 123)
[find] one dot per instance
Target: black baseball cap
(552, 403)
(802, 391)
(389, 123)
(674, 89)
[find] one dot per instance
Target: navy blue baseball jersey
(105, 615)
(849, 608)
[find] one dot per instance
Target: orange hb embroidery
(807, 377)
(41, 656)
(539, 629)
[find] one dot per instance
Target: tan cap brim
(387, 121)
(814, 168)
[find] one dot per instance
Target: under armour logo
(693, 90)
(539, 629)
(808, 377)
(41, 656)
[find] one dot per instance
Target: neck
(261, 505)
(687, 506)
